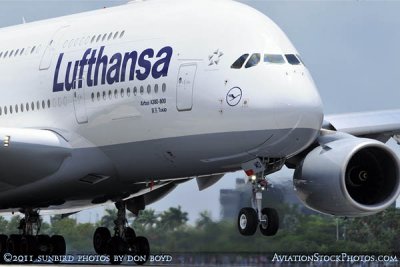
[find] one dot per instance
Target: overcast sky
(350, 47)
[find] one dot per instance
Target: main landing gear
(29, 241)
(250, 217)
(123, 242)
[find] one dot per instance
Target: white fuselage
(146, 85)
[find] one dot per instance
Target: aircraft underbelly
(117, 171)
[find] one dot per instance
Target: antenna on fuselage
(23, 20)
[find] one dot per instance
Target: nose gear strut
(250, 217)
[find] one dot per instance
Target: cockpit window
(275, 59)
(253, 60)
(292, 59)
(240, 61)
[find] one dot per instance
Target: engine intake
(348, 176)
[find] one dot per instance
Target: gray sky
(350, 47)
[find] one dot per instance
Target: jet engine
(348, 176)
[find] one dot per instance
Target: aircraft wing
(379, 125)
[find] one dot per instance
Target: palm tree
(173, 218)
(147, 218)
(204, 220)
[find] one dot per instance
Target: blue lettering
(145, 64)
(160, 68)
(110, 70)
(58, 87)
(132, 56)
(91, 62)
(82, 64)
(114, 70)
(101, 60)
(69, 84)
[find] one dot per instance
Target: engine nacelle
(348, 176)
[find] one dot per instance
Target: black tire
(130, 235)
(116, 247)
(247, 221)
(101, 237)
(43, 244)
(141, 250)
(14, 244)
(58, 246)
(3, 247)
(29, 245)
(271, 226)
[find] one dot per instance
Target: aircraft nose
(298, 103)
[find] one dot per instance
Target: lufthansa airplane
(123, 104)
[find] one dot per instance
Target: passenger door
(185, 85)
(79, 99)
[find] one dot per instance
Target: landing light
(6, 141)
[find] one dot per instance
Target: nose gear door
(185, 85)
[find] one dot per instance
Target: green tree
(45, 228)
(169, 232)
(12, 226)
(83, 242)
(204, 220)
(377, 233)
(55, 218)
(3, 224)
(173, 218)
(147, 219)
(108, 218)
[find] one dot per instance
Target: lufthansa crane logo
(234, 96)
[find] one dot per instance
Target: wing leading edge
(379, 125)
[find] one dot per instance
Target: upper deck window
(292, 59)
(253, 60)
(274, 58)
(240, 61)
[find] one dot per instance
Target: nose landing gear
(250, 217)
(123, 242)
